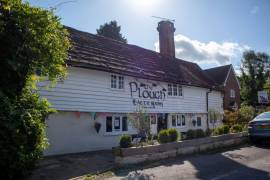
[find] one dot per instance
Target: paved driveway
(244, 163)
(72, 165)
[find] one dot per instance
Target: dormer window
(232, 93)
(175, 90)
(117, 82)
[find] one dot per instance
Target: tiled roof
(219, 74)
(100, 53)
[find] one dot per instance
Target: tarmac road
(244, 163)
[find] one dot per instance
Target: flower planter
(135, 155)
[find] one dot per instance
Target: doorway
(162, 121)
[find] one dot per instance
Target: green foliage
(163, 136)
(208, 132)
(199, 133)
(247, 113)
(125, 141)
(140, 120)
(173, 135)
(242, 115)
(111, 30)
(221, 130)
(191, 134)
(254, 75)
(32, 40)
(236, 128)
(22, 133)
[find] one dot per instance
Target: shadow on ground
(214, 165)
(72, 165)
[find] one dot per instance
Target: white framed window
(175, 90)
(169, 90)
(174, 120)
(183, 120)
(113, 81)
(153, 119)
(180, 90)
(232, 93)
(121, 82)
(116, 123)
(117, 82)
(199, 121)
(178, 120)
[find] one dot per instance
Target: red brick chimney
(166, 38)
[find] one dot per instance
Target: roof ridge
(217, 67)
(126, 44)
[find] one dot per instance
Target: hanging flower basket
(97, 126)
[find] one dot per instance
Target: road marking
(224, 175)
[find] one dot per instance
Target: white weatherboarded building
(108, 79)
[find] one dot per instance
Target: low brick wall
(124, 156)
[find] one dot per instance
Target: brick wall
(231, 84)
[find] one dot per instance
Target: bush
(199, 133)
(236, 128)
(163, 136)
(225, 129)
(22, 135)
(125, 141)
(247, 113)
(173, 135)
(208, 132)
(191, 134)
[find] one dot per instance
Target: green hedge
(22, 134)
(197, 133)
(168, 135)
(236, 128)
(125, 141)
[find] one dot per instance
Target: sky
(208, 32)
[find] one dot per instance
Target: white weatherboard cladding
(70, 134)
(87, 90)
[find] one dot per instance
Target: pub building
(108, 79)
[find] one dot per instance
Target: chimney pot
(166, 39)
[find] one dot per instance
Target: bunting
(77, 114)
(93, 115)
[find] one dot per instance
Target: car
(259, 127)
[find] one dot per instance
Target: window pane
(113, 81)
(180, 91)
(153, 119)
(124, 124)
(169, 90)
(121, 82)
(109, 124)
(183, 120)
(117, 123)
(173, 120)
(199, 121)
(178, 120)
(175, 90)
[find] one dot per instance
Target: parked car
(259, 127)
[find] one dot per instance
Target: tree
(141, 121)
(32, 42)
(111, 30)
(213, 115)
(254, 75)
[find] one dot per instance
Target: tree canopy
(32, 41)
(33, 44)
(254, 75)
(111, 30)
